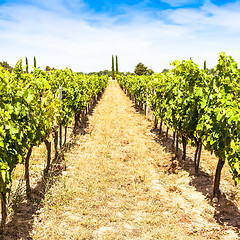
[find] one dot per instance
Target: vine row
(202, 109)
(30, 110)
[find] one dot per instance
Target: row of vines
(30, 110)
(201, 109)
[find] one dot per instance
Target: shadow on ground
(226, 211)
(21, 221)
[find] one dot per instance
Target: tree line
(140, 69)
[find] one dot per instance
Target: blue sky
(83, 35)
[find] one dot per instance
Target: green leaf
(30, 97)
(13, 129)
(199, 92)
(232, 144)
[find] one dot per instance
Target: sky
(83, 35)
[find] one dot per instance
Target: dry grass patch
(20, 210)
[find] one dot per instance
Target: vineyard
(201, 109)
(119, 181)
(32, 107)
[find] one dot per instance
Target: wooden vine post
(147, 101)
(65, 136)
(56, 143)
(60, 125)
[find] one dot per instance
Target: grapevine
(201, 108)
(30, 110)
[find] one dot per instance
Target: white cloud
(209, 16)
(86, 41)
(178, 3)
(227, 16)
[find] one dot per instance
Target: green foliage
(26, 65)
(100, 73)
(136, 85)
(140, 70)
(6, 66)
(34, 62)
(199, 106)
(30, 109)
(47, 68)
(113, 69)
(24, 107)
(150, 72)
(116, 65)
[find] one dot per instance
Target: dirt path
(116, 185)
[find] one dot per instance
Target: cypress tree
(113, 72)
(205, 65)
(34, 64)
(116, 65)
(26, 65)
